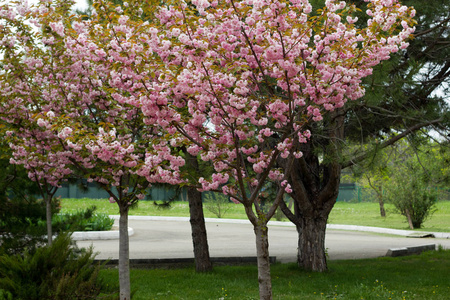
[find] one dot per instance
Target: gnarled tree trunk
(311, 227)
(315, 179)
(311, 244)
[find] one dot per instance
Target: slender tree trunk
(124, 255)
(48, 215)
(311, 244)
(379, 192)
(381, 203)
(408, 216)
(199, 237)
(262, 251)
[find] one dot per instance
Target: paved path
(159, 238)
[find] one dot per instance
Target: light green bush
(218, 204)
(412, 198)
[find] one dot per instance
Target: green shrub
(82, 220)
(216, 203)
(412, 198)
(59, 271)
(5, 295)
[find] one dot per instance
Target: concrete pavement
(170, 237)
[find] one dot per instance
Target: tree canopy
(254, 87)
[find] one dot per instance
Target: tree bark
(124, 255)
(311, 244)
(48, 215)
(314, 197)
(262, 252)
(408, 216)
(197, 220)
(315, 187)
(381, 203)
(379, 191)
(199, 236)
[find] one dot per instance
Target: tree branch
(389, 142)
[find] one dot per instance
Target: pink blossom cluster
(241, 79)
(90, 76)
(43, 163)
(118, 64)
(235, 82)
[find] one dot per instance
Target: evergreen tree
(22, 216)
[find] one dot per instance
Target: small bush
(83, 220)
(412, 198)
(5, 295)
(59, 271)
(218, 204)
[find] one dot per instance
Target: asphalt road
(172, 239)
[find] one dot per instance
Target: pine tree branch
(390, 141)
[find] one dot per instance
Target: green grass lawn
(420, 277)
(364, 214)
(368, 214)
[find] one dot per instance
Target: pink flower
(41, 122)
(57, 27)
(63, 134)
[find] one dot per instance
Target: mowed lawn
(419, 277)
(364, 213)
